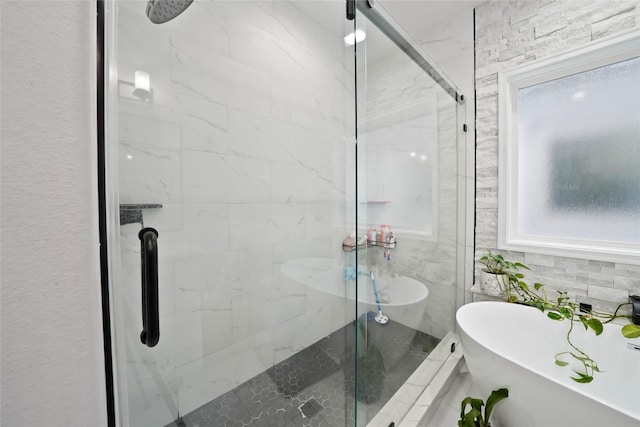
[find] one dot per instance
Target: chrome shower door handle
(150, 334)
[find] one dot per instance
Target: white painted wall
(52, 356)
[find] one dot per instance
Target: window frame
(605, 52)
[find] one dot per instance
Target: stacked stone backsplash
(509, 34)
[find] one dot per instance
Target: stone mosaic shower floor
(315, 387)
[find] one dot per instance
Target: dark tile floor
(316, 386)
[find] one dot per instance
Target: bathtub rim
(423, 288)
(573, 387)
(424, 291)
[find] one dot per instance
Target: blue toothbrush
(380, 318)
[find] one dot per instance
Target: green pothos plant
(497, 264)
(560, 308)
(474, 417)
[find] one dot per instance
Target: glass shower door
(409, 191)
(230, 134)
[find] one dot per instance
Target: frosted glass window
(574, 159)
(579, 162)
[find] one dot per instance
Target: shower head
(161, 11)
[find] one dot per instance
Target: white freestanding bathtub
(513, 346)
(402, 299)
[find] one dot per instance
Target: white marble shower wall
(408, 112)
(247, 144)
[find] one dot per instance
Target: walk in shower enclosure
(253, 158)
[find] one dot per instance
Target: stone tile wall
(510, 33)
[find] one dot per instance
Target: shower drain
(310, 408)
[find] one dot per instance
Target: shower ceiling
(416, 16)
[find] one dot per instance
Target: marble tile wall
(430, 255)
(451, 45)
(512, 33)
(247, 144)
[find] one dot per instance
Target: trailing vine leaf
(561, 362)
(566, 312)
(559, 309)
(583, 320)
(596, 325)
(631, 331)
(582, 378)
(553, 315)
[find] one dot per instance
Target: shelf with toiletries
(370, 244)
(386, 245)
(385, 239)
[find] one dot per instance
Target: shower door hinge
(351, 10)
(464, 127)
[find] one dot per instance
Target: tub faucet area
(635, 308)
